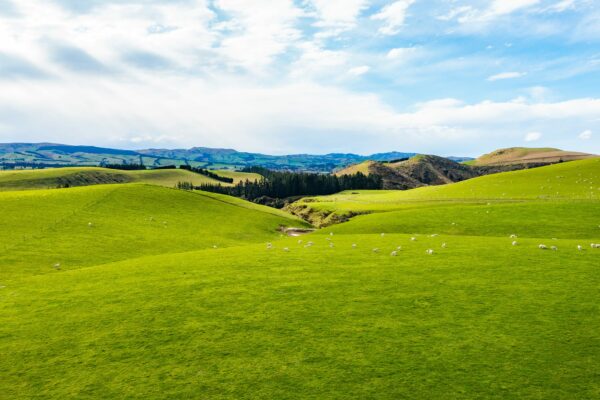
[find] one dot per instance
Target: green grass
(143, 311)
(479, 319)
(83, 176)
(127, 221)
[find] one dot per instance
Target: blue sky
(449, 77)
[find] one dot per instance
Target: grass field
(146, 310)
(51, 178)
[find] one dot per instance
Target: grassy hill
(577, 180)
(127, 221)
(141, 310)
(526, 155)
(57, 177)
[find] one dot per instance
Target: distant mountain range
(41, 155)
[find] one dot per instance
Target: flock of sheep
(394, 253)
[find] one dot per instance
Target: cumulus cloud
(533, 136)
(393, 16)
(361, 70)
(585, 135)
(505, 75)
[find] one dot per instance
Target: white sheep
(215, 246)
(353, 245)
(435, 235)
(413, 239)
(286, 249)
(515, 243)
(90, 224)
(375, 250)
(383, 234)
(443, 245)
(554, 248)
(399, 248)
(543, 247)
(269, 245)
(429, 251)
(57, 266)
(394, 253)
(579, 247)
(331, 245)
(330, 233)
(300, 241)
(513, 236)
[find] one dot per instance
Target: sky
(447, 77)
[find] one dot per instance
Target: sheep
(595, 245)
(399, 248)
(353, 245)
(435, 235)
(310, 243)
(286, 249)
(429, 251)
(513, 236)
(515, 243)
(300, 241)
(394, 253)
(579, 247)
(383, 234)
(57, 266)
(330, 233)
(413, 239)
(375, 250)
(543, 247)
(554, 248)
(215, 246)
(331, 245)
(443, 245)
(90, 225)
(269, 245)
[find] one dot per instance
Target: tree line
(289, 184)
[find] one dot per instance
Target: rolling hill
(525, 155)
(577, 180)
(50, 178)
(38, 155)
(141, 308)
(417, 171)
(107, 223)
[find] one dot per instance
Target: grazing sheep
(515, 243)
(443, 245)
(595, 246)
(328, 239)
(435, 235)
(90, 224)
(543, 247)
(579, 247)
(269, 245)
(300, 241)
(214, 246)
(394, 253)
(375, 250)
(330, 233)
(57, 266)
(513, 236)
(286, 249)
(310, 243)
(429, 251)
(331, 245)
(554, 248)
(399, 248)
(353, 245)
(383, 234)
(413, 239)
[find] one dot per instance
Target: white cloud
(361, 70)
(585, 135)
(505, 75)
(338, 15)
(393, 16)
(401, 53)
(533, 136)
